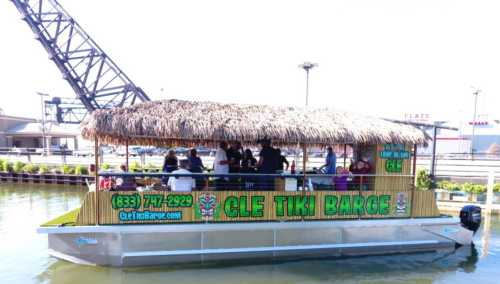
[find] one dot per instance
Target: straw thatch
(177, 122)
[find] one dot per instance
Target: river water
(24, 258)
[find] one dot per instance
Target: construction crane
(97, 81)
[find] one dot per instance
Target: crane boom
(97, 81)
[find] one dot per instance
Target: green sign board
(255, 206)
(394, 154)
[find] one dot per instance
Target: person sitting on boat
(359, 169)
(221, 166)
(234, 157)
(170, 162)
(183, 183)
(125, 183)
(106, 183)
(340, 179)
(196, 166)
(248, 166)
(330, 166)
(283, 163)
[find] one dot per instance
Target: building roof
(35, 129)
(178, 122)
(17, 118)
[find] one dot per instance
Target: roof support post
(414, 172)
(96, 155)
(432, 171)
(304, 164)
(345, 155)
(126, 155)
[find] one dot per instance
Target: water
(24, 259)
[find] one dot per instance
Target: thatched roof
(177, 122)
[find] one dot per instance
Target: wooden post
(345, 155)
(414, 169)
(304, 163)
(414, 172)
(126, 155)
(96, 155)
(360, 192)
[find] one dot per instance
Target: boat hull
(139, 245)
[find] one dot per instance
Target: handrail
(162, 174)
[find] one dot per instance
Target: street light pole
(475, 94)
(44, 143)
(307, 66)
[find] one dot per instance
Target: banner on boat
(170, 207)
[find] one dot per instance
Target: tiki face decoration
(207, 204)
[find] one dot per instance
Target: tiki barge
(309, 213)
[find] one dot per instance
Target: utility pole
(307, 66)
(44, 143)
(475, 93)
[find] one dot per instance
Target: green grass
(66, 219)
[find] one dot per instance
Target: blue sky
(385, 57)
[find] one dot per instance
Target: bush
(6, 166)
(43, 169)
(81, 170)
(473, 188)
(151, 168)
(30, 168)
(18, 167)
(466, 187)
(105, 166)
(67, 170)
(496, 188)
(134, 167)
(423, 180)
(448, 185)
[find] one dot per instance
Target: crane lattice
(97, 81)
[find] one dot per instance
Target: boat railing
(250, 181)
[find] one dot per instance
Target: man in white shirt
(181, 184)
(221, 165)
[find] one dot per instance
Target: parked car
(204, 151)
(181, 150)
(84, 152)
(132, 151)
(159, 151)
(55, 150)
(105, 149)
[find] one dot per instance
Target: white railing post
(489, 190)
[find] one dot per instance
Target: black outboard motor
(470, 217)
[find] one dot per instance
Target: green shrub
(43, 169)
(134, 167)
(496, 188)
(473, 188)
(105, 166)
(6, 166)
(423, 181)
(30, 168)
(448, 185)
(67, 170)
(18, 167)
(151, 168)
(81, 170)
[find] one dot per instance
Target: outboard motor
(470, 217)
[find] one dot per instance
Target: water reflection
(422, 267)
(485, 239)
(24, 256)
